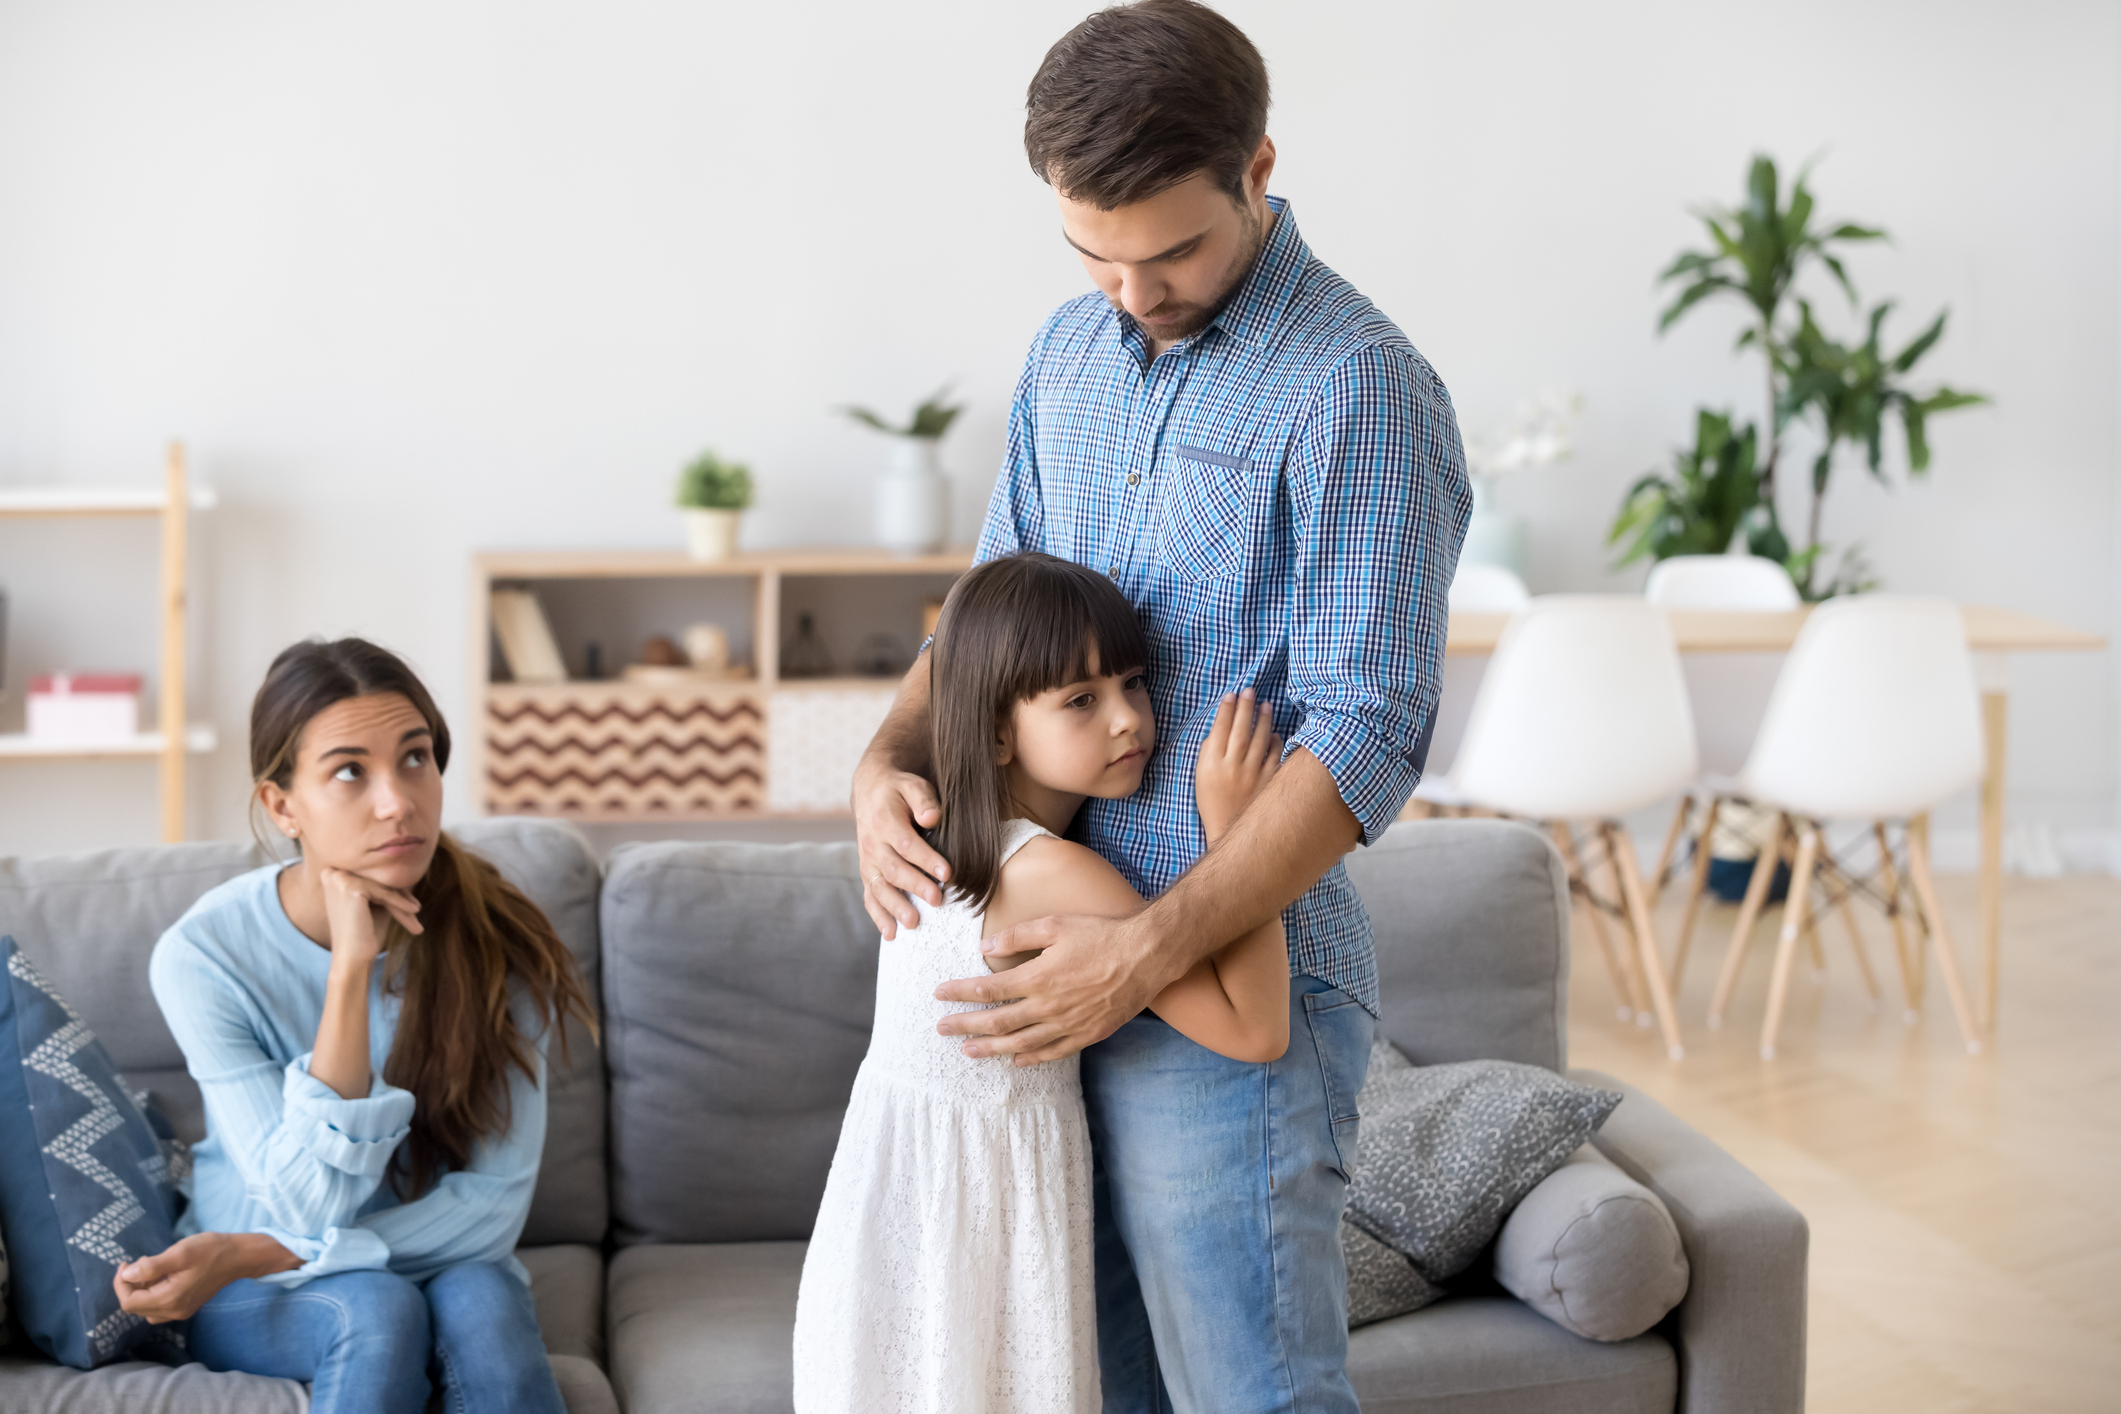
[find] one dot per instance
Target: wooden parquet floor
(1965, 1212)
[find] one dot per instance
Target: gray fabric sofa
(687, 1153)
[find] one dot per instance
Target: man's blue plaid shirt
(1282, 496)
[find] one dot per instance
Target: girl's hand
(1240, 756)
(355, 906)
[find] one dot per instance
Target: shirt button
(1112, 571)
(1134, 478)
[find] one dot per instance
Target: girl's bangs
(1069, 624)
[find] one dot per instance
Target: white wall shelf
(171, 506)
(95, 500)
(199, 738)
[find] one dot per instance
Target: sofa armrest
(1740, 1331)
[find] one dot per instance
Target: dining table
(1992, 634)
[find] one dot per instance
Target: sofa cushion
(1495, 1355)
(705, 1327)
(1381, 1282)
(739, 986)
(135, 1387)
(567, 1282)
(1448, 1150)
(1593, 1251)
(84, 1187)
(551, 862)
(1472, 925)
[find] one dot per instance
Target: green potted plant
(713, 494)
(1758, 250)
(913, 495)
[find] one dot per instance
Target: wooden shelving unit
(610, 750)
(174, 737)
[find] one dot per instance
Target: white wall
(416, 280)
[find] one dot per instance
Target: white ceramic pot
(913, 499)
(711, 535)
(1493, 535)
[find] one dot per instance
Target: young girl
(950, 1269)
(368, 1027)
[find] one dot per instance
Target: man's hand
(1092, 976)
(176, 1282)
(895, 861)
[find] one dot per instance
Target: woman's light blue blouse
(243, 991)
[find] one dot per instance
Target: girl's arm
(1235, 1001)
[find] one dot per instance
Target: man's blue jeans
(1219, 1187)
(366, 1341)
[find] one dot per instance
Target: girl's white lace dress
(950, 1269)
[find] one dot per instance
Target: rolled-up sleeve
(1379, 501)
(308, 1157)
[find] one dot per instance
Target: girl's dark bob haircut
(1011, 629)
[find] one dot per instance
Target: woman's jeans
(367, 1341)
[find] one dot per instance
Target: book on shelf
(532, 654)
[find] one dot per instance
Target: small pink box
(85, 709)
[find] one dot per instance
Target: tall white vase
(913, 499)
(1493, 535)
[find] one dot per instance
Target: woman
(368, 1027)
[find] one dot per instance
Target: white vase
(913, 499)
(1493, 535)
(710, 534)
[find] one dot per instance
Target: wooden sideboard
(607, 749)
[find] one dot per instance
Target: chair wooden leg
(1919, 953)
(1793, 918)
(1579, 880)
(1756, 891)
(1622, 850)
(1671, 842)
(1695, 888)
(1918, 864)
(1895, 909)
(1847, 909)
(1645, 1013)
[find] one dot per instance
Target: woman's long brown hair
(1011, 629)
(457, 1036)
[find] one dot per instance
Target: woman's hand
(1240, 756)
(176, 1282)
(354, 907)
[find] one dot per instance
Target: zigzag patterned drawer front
(599, 751)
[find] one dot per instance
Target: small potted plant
(713, 494)
(913, 495)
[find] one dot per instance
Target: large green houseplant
(1757, 253)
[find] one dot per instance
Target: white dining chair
(1487, 589)
(1729, 695)
(1475, 589)
(1581, 718)
(1874, 718)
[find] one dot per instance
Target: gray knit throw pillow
(1446, 1152)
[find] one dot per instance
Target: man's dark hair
(1138, 98)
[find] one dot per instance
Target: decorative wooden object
(677, 746)
(173, 739)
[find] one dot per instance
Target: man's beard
(1192, 318)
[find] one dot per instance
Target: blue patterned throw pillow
(84, 1187)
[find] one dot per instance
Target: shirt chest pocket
(1205, 513)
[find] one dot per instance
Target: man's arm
(1096, 974)
(892, 794)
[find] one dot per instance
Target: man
(1273, 475)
